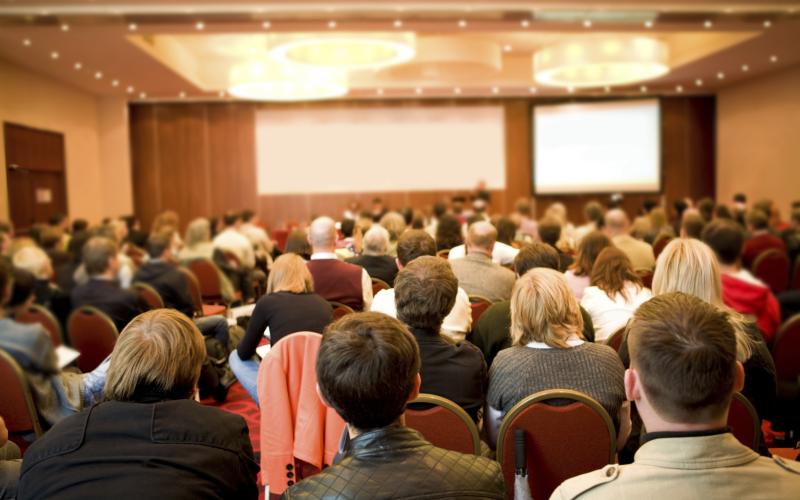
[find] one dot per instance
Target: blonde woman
(549, 352)
(290, 305)
(690, 266)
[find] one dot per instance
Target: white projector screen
(600, 147)
(343, 150)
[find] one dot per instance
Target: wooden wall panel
(199, 159)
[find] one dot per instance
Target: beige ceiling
(167, 57)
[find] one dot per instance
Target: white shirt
(366, 281)
(609, 315)
(455, 325)
(256, 235)
(501, 253)
(235, 242)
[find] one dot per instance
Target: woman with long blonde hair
(290, 305)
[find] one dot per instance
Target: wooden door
(36, 175)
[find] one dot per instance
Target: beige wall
(95, 140)
(758, 139)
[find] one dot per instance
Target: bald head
(322, 234)
(481, 237)
(616, 222)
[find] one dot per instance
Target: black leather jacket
(397, 462)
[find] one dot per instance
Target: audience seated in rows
(684, 371)
(160, 272)
(549, 352)
(740, 289)
(375, 257)
(692, 225)
(413, 244)
(290, 305)
(368, 369)
(198, 245)
(476, 272)
(593, 215)
(502, 253)
(579, 273)
(396, 225)
(550, 234)
(615, 292)
(335, 280)
(617, 227)
(760, 239)
(56, 393)
(147, 439)
(492, 332)
(448, 233)
(425, 291)
(47, 294)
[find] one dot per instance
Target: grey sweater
(593, 369)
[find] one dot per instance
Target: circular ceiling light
(450, 60)
(269, 81)
(596, 62)
(347, 51)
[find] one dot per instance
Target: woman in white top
(578, 274)
(615, 293)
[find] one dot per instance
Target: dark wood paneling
(199, 159)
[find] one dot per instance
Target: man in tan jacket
(682, 377)
(618, 228)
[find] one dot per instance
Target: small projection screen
(598, 147)
(373, 149)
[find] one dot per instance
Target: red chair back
(744, 422)
(445, 424)
(17, 406)
(646, 277)
(340, 310)
(660, 244)
(378, 285)
(39, 314)
(772, 267)
(796, 274)
(786, 352)
(149, 295)
(279, 237)
(615, 340)
(560, 441)
(92, 333)
(206, 274)
(443, 253)
(478, 305)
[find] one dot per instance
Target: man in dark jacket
(375, 258)
(160, 273)
(367, 370)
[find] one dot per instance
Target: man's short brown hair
(414, 243)
(97, 254)
(536, 254)
(549, 230)
(366, 368)
(424, 292)
(684, 352)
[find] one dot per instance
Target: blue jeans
(247, 373)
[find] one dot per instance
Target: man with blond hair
(476, 272)
(682, 377)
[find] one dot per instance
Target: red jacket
(753, 300)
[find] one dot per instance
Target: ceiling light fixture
(54, 55)
(698, 82)
(26, 42)
(507, 48)
(98, 75)
(221, 93)
(266, 80)
(745, 67)
(457, 90)
(767, 23)
(720, 75)
(133, 27)
(495, 90)
(648, 24)
(398, 23)
(142, 95)
(418, 90)
(115, 83)
(571, 90)
(65, 27)
(332, 24)
(587, 23)
(601, 61)
(532, 90)
(607, 89)
(679, 89)
(130, 89)
(707, 24)
(182, 94)
(77, 65)
(266, 25)
(525, 23)
(643, 89)
(773, 58)
(351, 51)
(379, 91)
(462, 23)
(199, 25)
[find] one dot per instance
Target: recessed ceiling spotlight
(115, 83)
(679, 89)
(643, 89)
(54, 55)
(133, 27)
(78, 65)
(26, 42)
(767, 23)
(379, 91)
(525, 23)
(587, 23)
(607, 89)
(221, 93)
(699, 82)
(142, 95)
(98, 75)
(507, 48)
(462, 23)
(707, 24)
(457, 90)
(773, 58)
(745, 67)
(571, 90)
(398, 23)
(728, 10)
(331, 24)
(418, 90)
(495, 90)
(532, 90)
(648, 24)
(65, 27)
(182, 94)
(199, 25)
(721, 75)
(130, 89)
(266, 25)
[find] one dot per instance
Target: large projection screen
(599, 147)
(374, 149)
